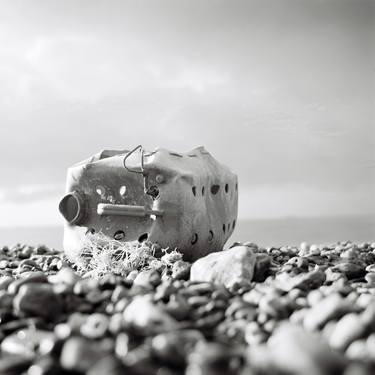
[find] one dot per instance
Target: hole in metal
(194, 239)
(143, 237)
(224, 228)
(122, 190)
(100, 190)
(215, 189)
(153, 191)
(175, 154)
(119, 235)
(202, 190)
(236, 186)
(226, 188)
(210, 236)
(194, 190)
(234, 224)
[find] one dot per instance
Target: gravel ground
(306, 310)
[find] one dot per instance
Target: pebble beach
(307, 309)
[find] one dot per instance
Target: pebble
(348, 329)
(146, 318)
(350, 270)
(14, 364)
(231, 267)
(109, 365)
(295, 351)
(174, 347)
(213, 359)
(304, 281)
(332, 307)
(81, 354)
(37, 299)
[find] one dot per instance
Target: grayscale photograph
(187, 187)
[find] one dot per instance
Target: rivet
(159, 178)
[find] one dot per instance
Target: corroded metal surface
(184, 201)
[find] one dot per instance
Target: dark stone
(37, 299)
(350, 270)
(14, 364)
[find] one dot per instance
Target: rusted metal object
(184, 201)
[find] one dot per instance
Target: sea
(264, 232)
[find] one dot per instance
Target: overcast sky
(281, 91)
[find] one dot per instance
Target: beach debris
(179, 201)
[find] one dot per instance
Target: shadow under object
(186, 201)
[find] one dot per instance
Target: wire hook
(142, 161)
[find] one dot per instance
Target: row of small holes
(120, 235)
(214, 189)
(100, 190)
(227, 228)
(194, 239)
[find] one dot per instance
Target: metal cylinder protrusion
(106, 209)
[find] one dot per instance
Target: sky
(283, 92)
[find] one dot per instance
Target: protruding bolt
(159, 178)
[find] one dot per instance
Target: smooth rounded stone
(348, 329)
(364, 300)
(262, 267)
(357, 350)
(27, 278)
(122, 344)
(24, 342)
(146, 318)
(177, 307)
(174, 347)
(81, 354)
(260, 359)
(304, 249)
(370, 278)
(6, 300)
(66, 276)
(370, 346)
(181, 270)
(254, 334)
(109, 365)
(38, 300)
(253, 296)
(303, 281)
(296, 351)
(314, 297)
(370, 268)
(350, 270)
(359, 369)
(213, 359)
(368, 314)
(147, 279)
(14, 364)
(48, 366)
(5, 281)
(274, 307)
(332, 307)
(231, 267)
(298, 316)
(314, 250)
(95, 326)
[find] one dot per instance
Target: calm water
(277, 232)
